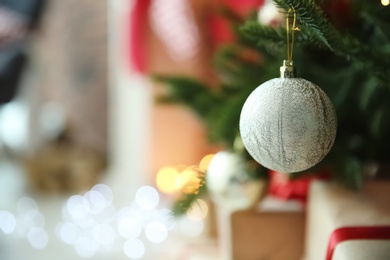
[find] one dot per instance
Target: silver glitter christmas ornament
(288, 124)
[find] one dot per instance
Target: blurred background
(108, 110)
(81, 138)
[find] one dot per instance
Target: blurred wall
(71, 52)
(178, 135)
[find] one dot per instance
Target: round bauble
(288, 124)
(229, 184)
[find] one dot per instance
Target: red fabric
(219, 30)
(242, 7)
(282, 187)
(353, 233)
(138, 20)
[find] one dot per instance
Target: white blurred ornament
(288, 124)
(271, 15)
(229, 182)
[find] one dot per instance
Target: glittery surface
(288, 124)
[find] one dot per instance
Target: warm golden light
(204, 163)
(180, 167)
(385, 2)
(166, 179)
(198, 211)
(189, 181)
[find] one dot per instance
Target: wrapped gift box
(272, 231)
(361, 221)
(267, 235)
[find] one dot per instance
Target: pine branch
(313, 19)
(186, 202)
(347, 168)
(237, 66)
(261, 35)
(190, 92)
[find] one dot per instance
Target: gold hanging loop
(291, 20)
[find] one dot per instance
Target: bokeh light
(105, 191)
(189, 181)
(180, 167)
(14, 124)
(165, 216)
(86, 246)
(147, 216)
(205, 162)
(129, 227)
(166, 179)
(134, 248)
(147, 197)
(22, 227)
(7, 222)
(78, 207)
(385, 2)
(156, 232)
(26, 204)
(127, 212)
(103, 234)
(30, 221)
(91, 223)
(198, 211)
(107, 215)
(96, 201)
(217, 168)
(86, 222)
(38, 238)
(34, 218)
(69, 232)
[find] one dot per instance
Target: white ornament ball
(288, 124)
(228, 182)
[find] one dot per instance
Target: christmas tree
(341, 46)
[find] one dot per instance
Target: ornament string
(291, 20)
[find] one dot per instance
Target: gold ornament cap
(287, 70)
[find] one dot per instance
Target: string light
(91, 223)
(147, 197)
(189, 181)
(156, 232)
(166, 179)
(204, 163)
(134, 248)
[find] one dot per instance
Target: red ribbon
(282, 187)
(353, 233)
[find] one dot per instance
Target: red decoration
(353, 233)
(219, 29)
(282, 187)
(137, 50)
